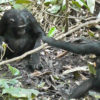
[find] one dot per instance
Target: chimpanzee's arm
(82, 89)
(91, 84)
(81, 48)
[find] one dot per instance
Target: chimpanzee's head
(15, 21)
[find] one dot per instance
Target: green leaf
(54, 9)
(21, 93)
(52, 31)
(91, 34)
(18, 6)
(80, 2)
(47, 2)
(41, 85)
(13, 70)
(13, 82)
(63, 5)
(91, 5)
(76, 3)
(92, 69)
(56, 77)
(85, 5)
(23, 1)
(4, 83)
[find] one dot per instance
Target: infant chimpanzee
(20, 30)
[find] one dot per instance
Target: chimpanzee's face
(17, 24)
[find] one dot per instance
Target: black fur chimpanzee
(90, 47)
(21, 32)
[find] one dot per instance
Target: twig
(44, 45)
(23, 55)
(67, 14)
(82, 68)
(78, 27)
(69, 17)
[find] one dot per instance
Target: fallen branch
(44, 45)
(23, 55)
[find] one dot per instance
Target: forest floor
(59, 75)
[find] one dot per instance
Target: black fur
(21, 32)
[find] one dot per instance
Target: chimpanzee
(20, 30)
(90, 47)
